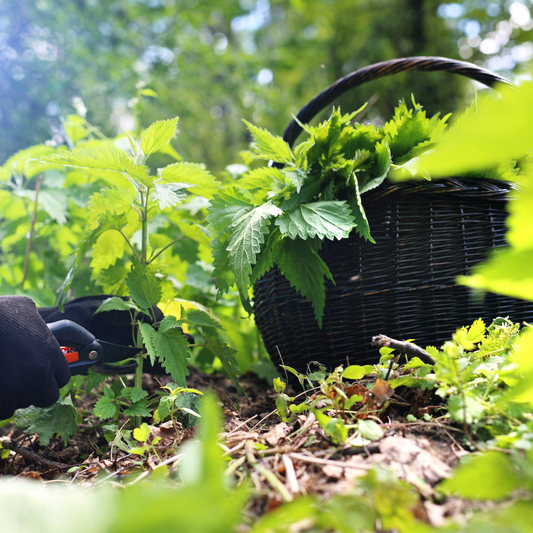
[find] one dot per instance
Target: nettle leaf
(296, 176)
(361, 221)
(138, 409)
(168, 323)
(148, 333)
(158, 135)
(172, 350)
(268, 146)
(322, 219)
(381, 167)
(118, 304)
(102, 156)
(144, 287)
(305, 271)
(105, 408)
(134, 394)
(108, 248)
(59, 418)
(226, 356)
(158, 241)
(201, 319)
(170, 194)
(195, 232)
(247, 236)
(196, 174)
(106, 222)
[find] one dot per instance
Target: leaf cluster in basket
(279, 215)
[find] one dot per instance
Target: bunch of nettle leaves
(279, 215)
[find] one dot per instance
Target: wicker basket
(403, 286)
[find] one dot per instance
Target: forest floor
(283, 460)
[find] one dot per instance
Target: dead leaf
(381, 392)
(277, 433)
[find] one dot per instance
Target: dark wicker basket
(426, 234)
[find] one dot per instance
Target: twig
(326, 462)
(32, 230)
(31, 456)
(290, 475)
(406, 348)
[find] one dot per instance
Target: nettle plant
(130, 246)
(280, 214)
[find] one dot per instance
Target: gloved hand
(32, 366)
(109, 326)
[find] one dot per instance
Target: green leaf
(94, 379)
(105, 408)
(196, 174)
(158, 241)
(158, 135)
(476, 332)
(268, 146)
(170, 194)
(144, 287)
(471, 406)
(370, 430)
(328, 220)
(508, 272)
(148, 333)
(172, 350)
(59, 418)
(134, 394)
(361, 222)
(106, 222)
(485, 477)
(226, 356)
(383, 160)
(138, 409)
(499, 130)
(247, 236)
(305, 271)
(142, 433)
(102, 156)
(200, 318)
(117, 304)
(357, 372)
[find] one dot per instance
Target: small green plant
(125, 214)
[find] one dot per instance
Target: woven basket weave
(426, 234)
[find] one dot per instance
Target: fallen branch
(31, 456)
(403, 347)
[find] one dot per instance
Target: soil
(300, 455)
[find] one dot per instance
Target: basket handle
(387, 68)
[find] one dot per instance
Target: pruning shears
(83, 350)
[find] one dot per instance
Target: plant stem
(32, 229)
(138, 372)
(144, 220)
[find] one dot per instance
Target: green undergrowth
(484, 385)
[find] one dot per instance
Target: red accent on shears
(70, 356)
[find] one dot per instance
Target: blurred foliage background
(127, 63)
(214, 63)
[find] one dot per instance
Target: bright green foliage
(59, 419)
(316, 195)
(158, 135)
(490, 476)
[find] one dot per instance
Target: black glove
(109, 326)
(32, 366)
